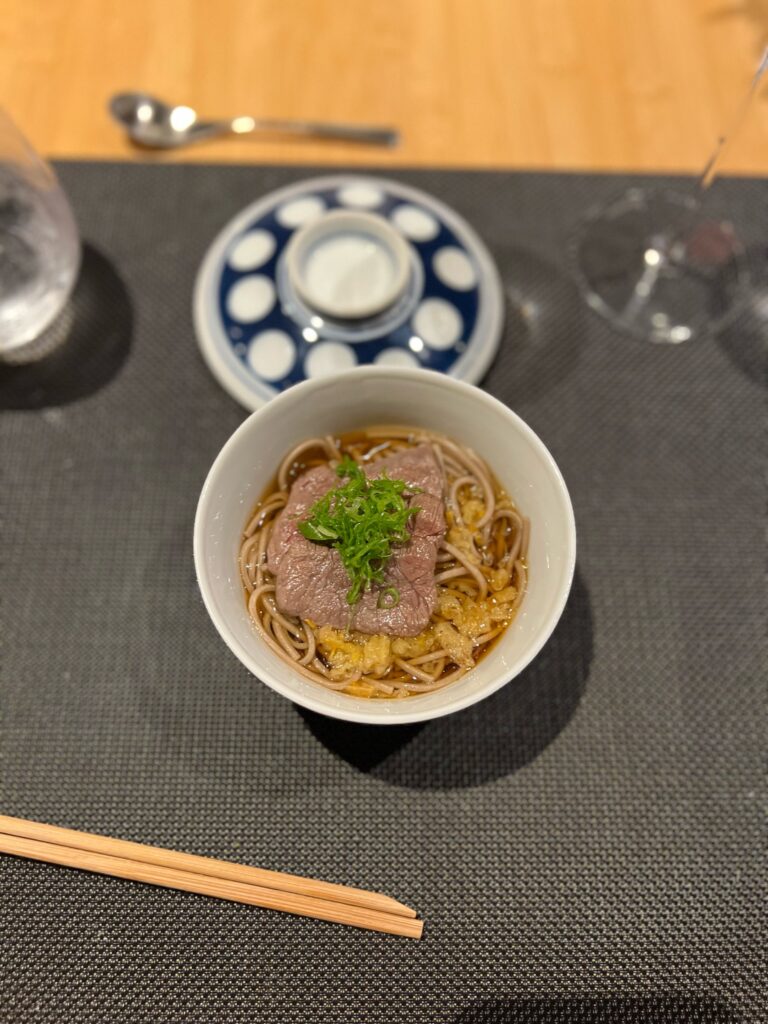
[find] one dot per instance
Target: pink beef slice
(311, 581)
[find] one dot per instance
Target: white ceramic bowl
(378, 395)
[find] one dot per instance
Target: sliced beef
(417, 466)
(309, 487)
(311, 581)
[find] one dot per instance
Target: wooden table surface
(590, 84)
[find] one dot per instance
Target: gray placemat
(584, 846)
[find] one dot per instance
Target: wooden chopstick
(122, 848)
(206, 885)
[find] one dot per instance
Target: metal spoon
(158, 125)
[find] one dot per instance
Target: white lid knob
(348, 265)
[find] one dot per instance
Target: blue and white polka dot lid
(258, 333)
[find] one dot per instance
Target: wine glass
(655, 265)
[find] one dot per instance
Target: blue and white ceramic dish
(441, 300)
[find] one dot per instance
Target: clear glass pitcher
(39, 244)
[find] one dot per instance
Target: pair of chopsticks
(226, 880)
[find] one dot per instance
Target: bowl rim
(409, 712)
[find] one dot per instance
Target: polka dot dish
(258, 338)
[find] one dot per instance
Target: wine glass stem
(672, 244)
(711, 168)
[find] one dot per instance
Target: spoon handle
(318, 129)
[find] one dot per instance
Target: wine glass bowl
(654, 269)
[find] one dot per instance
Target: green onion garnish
(363, 520)
(389, 598)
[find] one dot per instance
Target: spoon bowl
(158, 125)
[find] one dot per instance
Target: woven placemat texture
(585, 846)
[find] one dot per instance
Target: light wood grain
(202, 865)
(205, 876)
(593, 84)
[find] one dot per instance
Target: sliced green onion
(389, 598)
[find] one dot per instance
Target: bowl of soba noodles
(386, 546)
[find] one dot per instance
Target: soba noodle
(481, 576)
